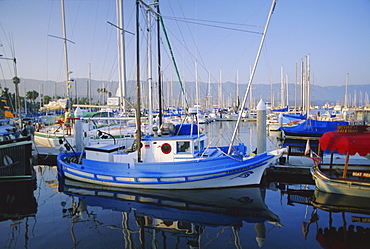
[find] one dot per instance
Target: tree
(32, 95)
(46, 99)
(104, 91)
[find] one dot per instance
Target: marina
(169, 145)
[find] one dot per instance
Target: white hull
(340, 186)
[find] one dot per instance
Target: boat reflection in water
(17, 200)
(17, 205)
(171, 218)
(353, 233)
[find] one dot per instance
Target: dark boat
(15, 159)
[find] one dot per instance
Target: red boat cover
(346, 142)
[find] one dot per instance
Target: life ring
(166, 148)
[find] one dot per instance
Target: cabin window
(198, 145)
(183, 146)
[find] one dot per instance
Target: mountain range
(319, 94)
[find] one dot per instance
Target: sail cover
(313, 127)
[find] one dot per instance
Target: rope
(173, 59)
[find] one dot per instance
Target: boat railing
(297, 150)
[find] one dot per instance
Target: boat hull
(340, 186)
(217, 172)
(47, 140)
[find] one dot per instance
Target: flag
(316, 158)
(308, 148)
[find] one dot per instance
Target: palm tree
(47, 99)
(105, 91)
(32, 95)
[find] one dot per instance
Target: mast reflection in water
(171, 218)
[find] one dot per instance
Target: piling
(261, 127)
(78, 129)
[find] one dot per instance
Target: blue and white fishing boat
(176, 158)
(172, 157)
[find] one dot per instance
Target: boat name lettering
(360, 219)
(352, 128)
(361, 174)
(235, 170)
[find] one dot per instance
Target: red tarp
(346, 142)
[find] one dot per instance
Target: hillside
(319, 94)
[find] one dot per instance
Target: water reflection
(18, 204)
(336, 221)
(171, 218)
(350, 233)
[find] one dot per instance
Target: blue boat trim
(141, 179)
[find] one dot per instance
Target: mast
(282, 92)
(237, 89)
(197, 102)
(252, 75)
(209, 90)
(149, 71)
(89, 86)
(138, 121)
(65, 52)
(220, 96)
(346, 95)
(302, 88)
(287, 90)
(271, 90)
(159, 63)
(295, 87)
(121, 54)
(308, 78)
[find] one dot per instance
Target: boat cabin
(173, 143)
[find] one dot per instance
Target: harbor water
(284, 213)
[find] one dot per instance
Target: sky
(216, 38)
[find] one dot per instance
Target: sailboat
(173, 157)
(101, 127)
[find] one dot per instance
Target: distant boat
(311, 129)
(100, 127)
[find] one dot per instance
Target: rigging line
(198, 54)
(193, 57)
(220, 27)
(202, 64)
(203, 20)
(173, 58)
